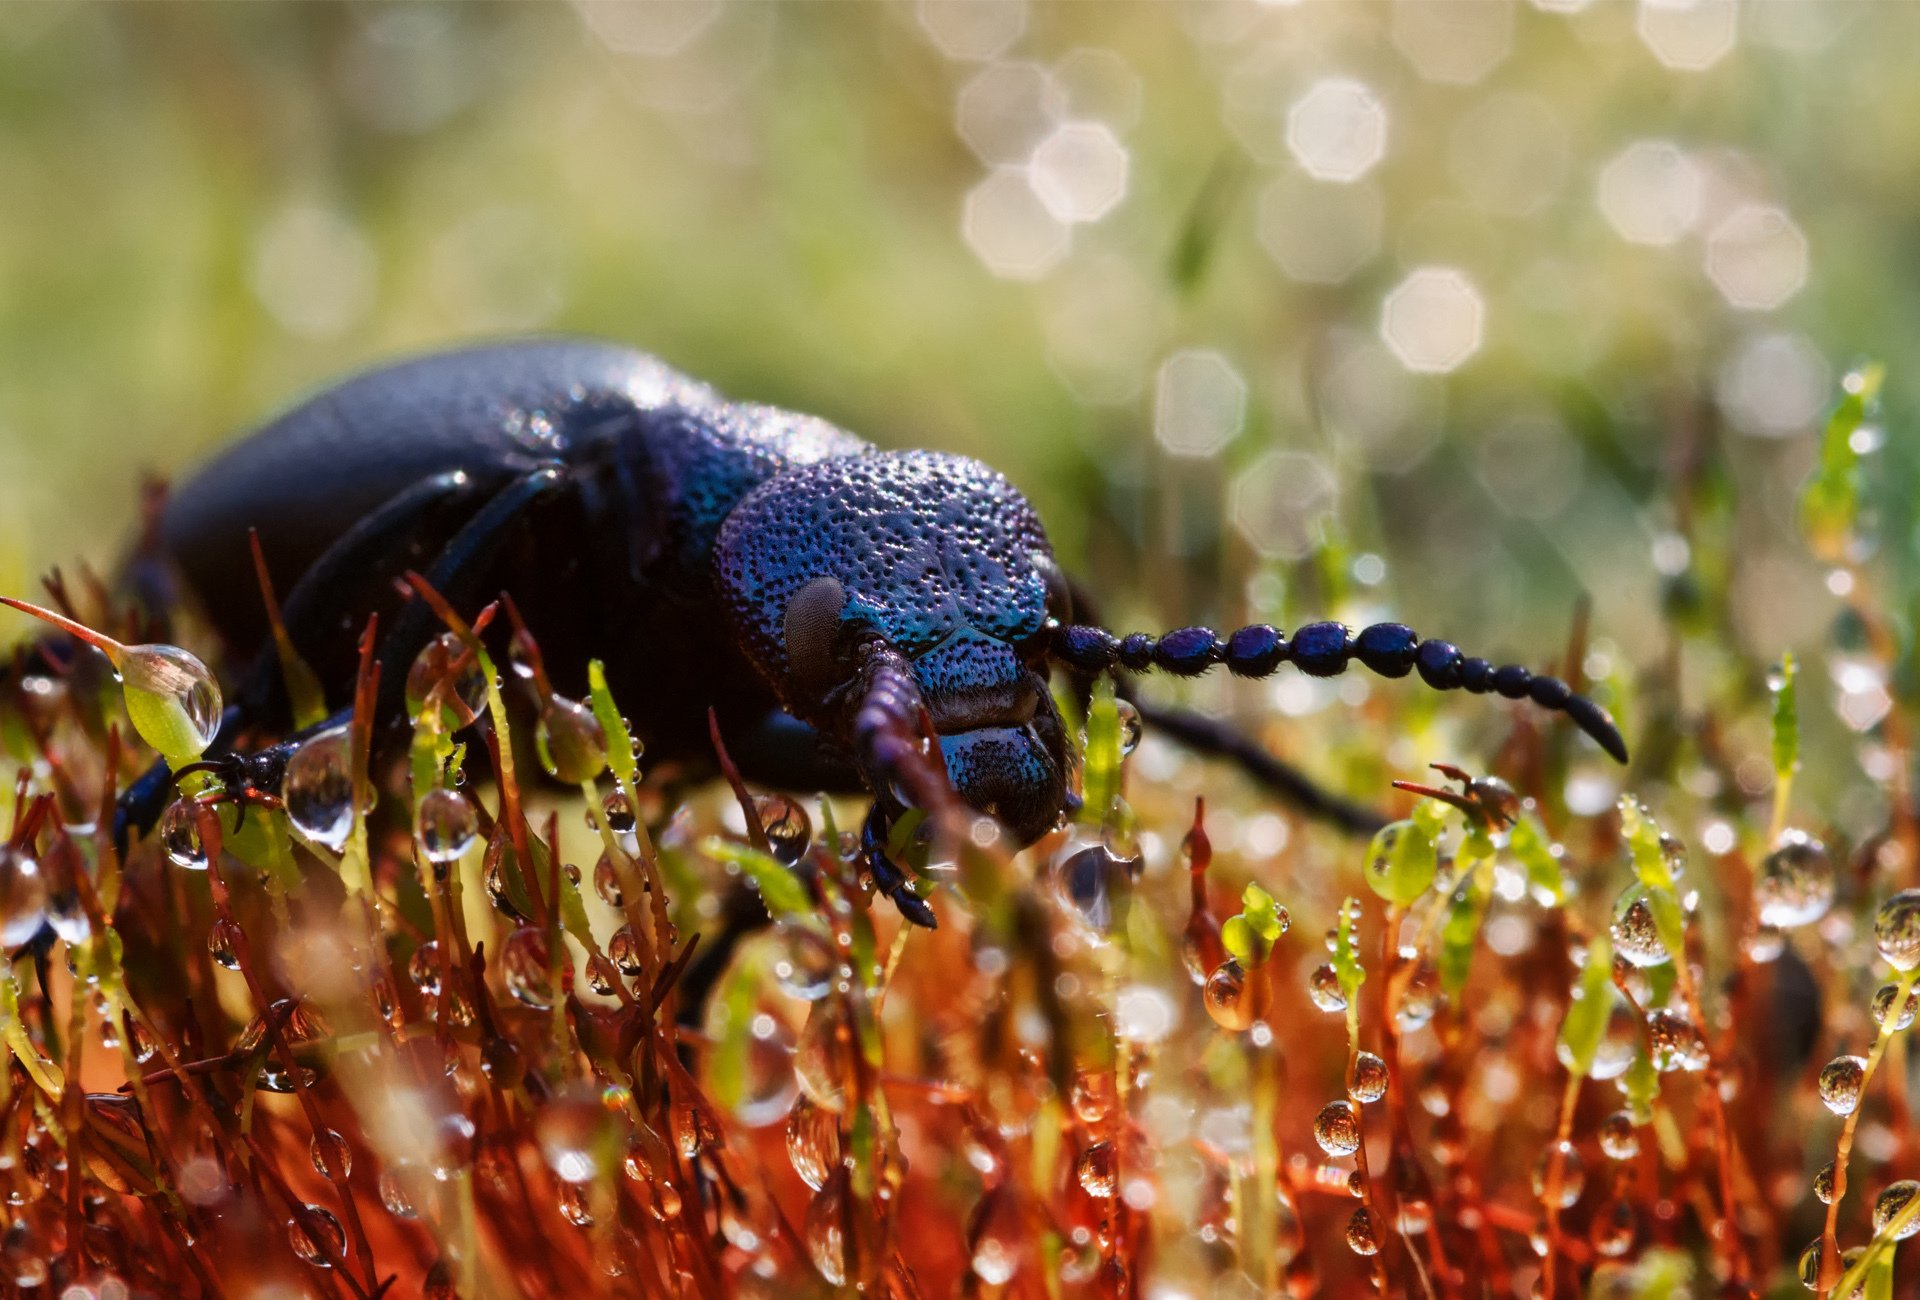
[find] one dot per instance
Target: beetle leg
(887, 876)
(405, 532)
(459, 573)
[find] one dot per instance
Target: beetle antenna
(1325, 650)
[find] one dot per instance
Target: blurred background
(1456, 310)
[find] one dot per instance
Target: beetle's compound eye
(1059, 594)
(812, 631)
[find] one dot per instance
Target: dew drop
(603, 977)
(466, 687)
(447, 824)
(398, 1183)
(1363, 1235)
(1420, 1000)
(1840, 1082)
(1337, 1128)
(1614, 1228)
(1131, 727)
(606, 883)
(1823, 1184)
(574, 1207)
(1323, 987)
(1896, 930)
(525, 969)
(423, 968)
(172, 700)
(619, 813)
(803, 960)
(821, 1060)
(813, 1142)
(789, 829)
(1635, 936)
(318, 788)
(1888, 1205)
(1883, 1003)
(23, 897)
(1573, 1174)
(626, 952)
(332, 1157)
(1097, 1171)
(575, 1134)
(1809, 1266)
(1675, 1042)
(1618, 1137)
(1092, 880)
(306, 1248)
(180, 834)
(1229, 997)
(1796, 882)
(1367, 1078)
(222, 939)
(571, 742)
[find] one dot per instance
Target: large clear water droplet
(524, 968)
(466, 686)
(789, 829)
(172, 700)
(813, 1142)
(1840, 1082)
(1896, 930)
(1337, 1128)
(306, 1248)
(1367, 1078)
(318, 787)
(23, 897)
(448, 825)
(1796, 882)
(180, 834)
(1229, 997)
(1635, 935)
(1888, 1205)
(572, 744)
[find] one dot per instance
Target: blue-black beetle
(856, 618)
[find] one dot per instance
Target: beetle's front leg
(888, 878)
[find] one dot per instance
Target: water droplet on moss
(1337, 1128)
(318, 788)
(1840, 1082)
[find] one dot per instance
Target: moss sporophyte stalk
(498, 994)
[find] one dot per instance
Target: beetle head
(941, 558)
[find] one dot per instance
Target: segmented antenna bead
(1387, 648)
(1136, 652)
(1439, 663)
(1321, 649)
(1549, 692)
(1088, 649)
(1189, 651)
(1511, 680)
(1255, 650)
(1476, 675)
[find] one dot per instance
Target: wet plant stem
(1556, 1176)
(1829, 1242)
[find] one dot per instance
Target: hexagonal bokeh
(1433, 320)
(1281, 503)
(1650, 192)
(1688, 35)
(1009, 229)
(1454, 41)
(1338, 129)
(972, 30)
(1757, 257)
(1317, 232)
(1080, 171)
(660, 28)
(1199, 403)
(1005, 110)
(1774, 385)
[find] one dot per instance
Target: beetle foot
(887, 876)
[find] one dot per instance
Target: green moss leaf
(1585, 1026)
(779, 888)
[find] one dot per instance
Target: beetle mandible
(855, 618)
